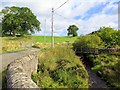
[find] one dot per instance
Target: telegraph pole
(53, 23)
(45, 32)
(52, 29)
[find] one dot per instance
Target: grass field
(11, 44)
(57, 39)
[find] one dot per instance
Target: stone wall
(19, 72)
(109, 51)
(99, 51)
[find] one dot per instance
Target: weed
(59, 67)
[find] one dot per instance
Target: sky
(87, 15)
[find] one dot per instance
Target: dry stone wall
(109, 51)
(99, 51)
(19, 72)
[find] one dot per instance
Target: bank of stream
(94, 80)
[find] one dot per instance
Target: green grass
(58, 39)
(11, 44)
(60, 69)
(108, 66)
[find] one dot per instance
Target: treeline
(105, 37)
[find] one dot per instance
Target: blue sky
(88, 15)
(95, 10)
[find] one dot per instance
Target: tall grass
(109, 67)
(59, 67)
(10, 44)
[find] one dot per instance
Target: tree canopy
(19, 20)
(105, 37)
(72, 30)
(109, 36)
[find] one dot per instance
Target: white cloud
(95, 22)
(42, 9)
(111, 7)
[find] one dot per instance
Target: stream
(94, 80)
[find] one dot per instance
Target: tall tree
(72, 30)
(19, 20)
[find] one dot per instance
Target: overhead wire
(61, 5)
(66, 18)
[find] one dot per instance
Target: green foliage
(18, 20)
(87, 41)
(105, 37)
(108, 66)
(72, 30)
(109, 36)
(60, 68)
